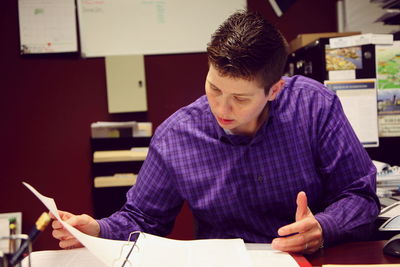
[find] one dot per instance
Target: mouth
(224, 121)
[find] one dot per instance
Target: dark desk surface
(369, 252)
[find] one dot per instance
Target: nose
(224, 107)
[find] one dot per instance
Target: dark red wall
(47, 103)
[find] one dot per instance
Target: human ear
(275, 89)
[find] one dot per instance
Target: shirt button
(260, 179)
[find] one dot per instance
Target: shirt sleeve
(349, 179)
(152, 203)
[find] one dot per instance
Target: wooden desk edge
(367, 252)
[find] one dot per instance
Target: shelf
(115, 181)
(115, 164)
(136, 154)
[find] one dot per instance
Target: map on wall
(388, 78)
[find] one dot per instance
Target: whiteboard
(126, 27)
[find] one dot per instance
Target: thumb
(302, 208)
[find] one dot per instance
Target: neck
(262, 118)
(264, 115)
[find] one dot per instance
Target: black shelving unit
(107, 200)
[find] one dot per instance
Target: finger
(297, 243)
(74, 220)
(300, 239)
(56, 225)
(52, 216)
(78, 220)
(65, 215)
(61, 234)
(286, 246)
(306, 248)
(70, 243)
(302, 206)
(290, 241)
(307, 241)
(59, 214)
(301, 226)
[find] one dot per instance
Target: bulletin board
(47, 26)
(126, 27)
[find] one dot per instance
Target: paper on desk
(390, 211)
(156, 251)
(365, 265)
(79, 257)
(264, 255)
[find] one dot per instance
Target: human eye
(240, 99)
(215, 89)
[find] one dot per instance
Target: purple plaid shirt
(239, 186)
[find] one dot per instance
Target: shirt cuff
(330, 231)
(105, 229)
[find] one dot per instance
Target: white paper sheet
(157, 251)
(264, 255)
(80, 257)
(108, 251)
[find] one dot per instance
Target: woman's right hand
(83, 223)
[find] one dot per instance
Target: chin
(228, 127)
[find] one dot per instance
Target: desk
(369, 252)
(349, 253)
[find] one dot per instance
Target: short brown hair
(247, 46)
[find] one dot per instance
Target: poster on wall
(358, 98)
(388, 84)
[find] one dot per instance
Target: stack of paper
(387, 179)
(361, 39)
(105, 129)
